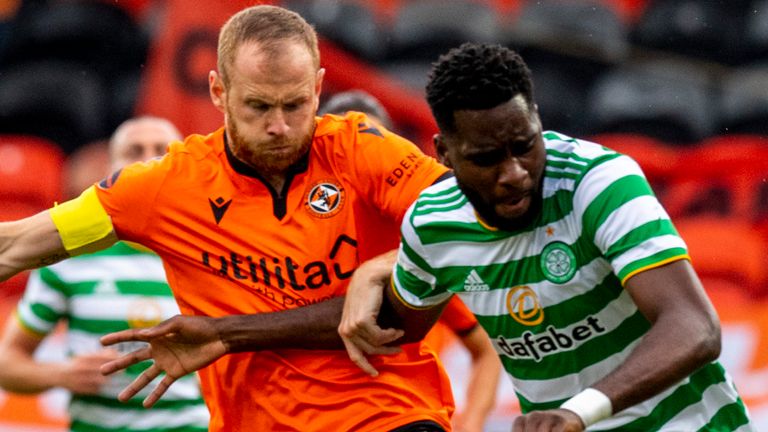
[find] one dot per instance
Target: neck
(276, 180)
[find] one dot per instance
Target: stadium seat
(667, 99)
(727, 249)
(560, 97)
(744, 100)
(586, 29)
(98, 35)
(660, 162)
(567, 44)
(350, 24)
(754, 38)
(30, 181)
(56, 100)
(30, 175)
(424, 29)
(704, 29)
(722, 176)
(413, 74)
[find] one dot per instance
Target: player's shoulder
(560, 146)
(442, 201)
(197, 146)
(352, 128)
(569, 157)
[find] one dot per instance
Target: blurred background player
(117, 288)
(456, 321)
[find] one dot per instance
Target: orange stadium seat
(658, 160)
(726, 252)
(721, 176)
(30, 181)
(30, 172)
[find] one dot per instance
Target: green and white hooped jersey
(551, 296)
(115, 289)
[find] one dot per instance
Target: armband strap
(591, 405)
(81, 221)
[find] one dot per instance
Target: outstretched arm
(75, 227)
(21, 373)
(684, 336)
(29, 243)
(184, 344)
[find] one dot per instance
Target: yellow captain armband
(83, 224)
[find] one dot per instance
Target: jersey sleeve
(413, 278)
(389, 171)
(620, 212)
(44, 302)
(128, 197)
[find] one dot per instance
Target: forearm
(483, 380)
(29, 243)
(667, 354)
(22, 374)
(309, 327)
(481, 390)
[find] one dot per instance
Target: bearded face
(270, 102)
(270, 157)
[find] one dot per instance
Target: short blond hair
(266, 25)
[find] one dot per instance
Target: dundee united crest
(325, 199)
(558, 262)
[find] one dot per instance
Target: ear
(319, 80)
(318, 87)
(217, 91)
(441, 149)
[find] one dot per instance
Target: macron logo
(473, 282)
(219, 207)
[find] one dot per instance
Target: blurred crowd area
(680, 85)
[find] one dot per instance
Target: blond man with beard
(260, 226)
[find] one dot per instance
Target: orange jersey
(232, 245)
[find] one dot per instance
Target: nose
(512, 172)
(276, 122)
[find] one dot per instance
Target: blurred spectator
(85, 166)
(119, 288)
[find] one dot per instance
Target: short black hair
(475, 77)
(357, 100)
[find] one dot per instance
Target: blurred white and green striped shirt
(551, 296)
(115, 289)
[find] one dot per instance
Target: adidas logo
(473, 282)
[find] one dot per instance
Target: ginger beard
(271, 157)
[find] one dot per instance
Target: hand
(358, 328)
(178, 346)
(81, 374)
(554, 420)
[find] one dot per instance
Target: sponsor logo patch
(325, 199)
(523, 305)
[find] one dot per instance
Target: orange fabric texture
(455, 321)
(227, 251)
